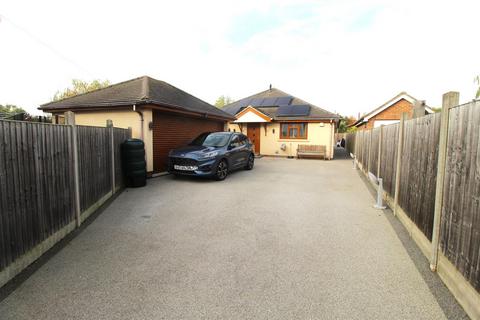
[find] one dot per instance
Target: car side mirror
(231, 146)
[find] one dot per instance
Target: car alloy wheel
(222, 170)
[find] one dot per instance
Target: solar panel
(256, 102)
(301, 110)
(293, 110)
(269, 102)
(244, 103)
(283, 101)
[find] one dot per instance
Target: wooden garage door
(172, 131)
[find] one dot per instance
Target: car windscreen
(216, 139)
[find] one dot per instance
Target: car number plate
(185, 168)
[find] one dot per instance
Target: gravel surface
(292, 239)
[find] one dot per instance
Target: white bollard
(379, 205)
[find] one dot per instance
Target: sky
(346, 56)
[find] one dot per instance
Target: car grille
(183, 161)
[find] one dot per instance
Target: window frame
(237, 142)
(292, 125)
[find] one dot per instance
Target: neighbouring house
(389, 112)
(277, 123)
(162, 115)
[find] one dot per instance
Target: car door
(235, 151)
(244, 150)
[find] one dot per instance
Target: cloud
(347, 56)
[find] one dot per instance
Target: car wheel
(222, 171)
(250, 163)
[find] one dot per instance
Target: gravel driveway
(292, 239)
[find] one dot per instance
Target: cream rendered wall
(318, 134)
(237, 126)
(270, 142)
(123, 119)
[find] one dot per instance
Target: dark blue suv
(212, 154)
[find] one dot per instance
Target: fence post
(112, 152)
(70, 120)
(449, 99)
(380, 142)
(399, 161)
(419, 109)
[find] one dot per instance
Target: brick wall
(394, 112)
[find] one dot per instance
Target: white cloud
(347, 56)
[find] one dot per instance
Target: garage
(171, 131)
(163, 116)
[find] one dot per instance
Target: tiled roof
(138, 91)
(316, 113)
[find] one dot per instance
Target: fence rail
(459, 234)
(37, 185)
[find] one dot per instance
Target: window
(243, 140)
(293, 131)
(215, 139)
(235, 143)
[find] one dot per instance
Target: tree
(11, 109)
(477, 81)
(223, 101)
(344, 123)
(80, 86)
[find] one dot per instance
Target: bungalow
(277, 123)
(389, 112)
(163, 116)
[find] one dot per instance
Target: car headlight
(210, 154)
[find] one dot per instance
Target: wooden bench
(312, 151)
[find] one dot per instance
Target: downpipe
(140, 113)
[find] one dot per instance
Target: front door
(253, 133)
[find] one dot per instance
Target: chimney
(270, 87)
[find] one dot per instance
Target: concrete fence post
(419, 109)
(112, 153)
(70, 120)
(380, 146)
(399, 161)
(450, 99)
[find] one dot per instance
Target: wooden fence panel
(460, 224)
(95, 166)
(35, 195)
(363, 147)
(350, 142)
(388, 165)
(375, 140)
(358, 146)
(366, 149)
(418, 171)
